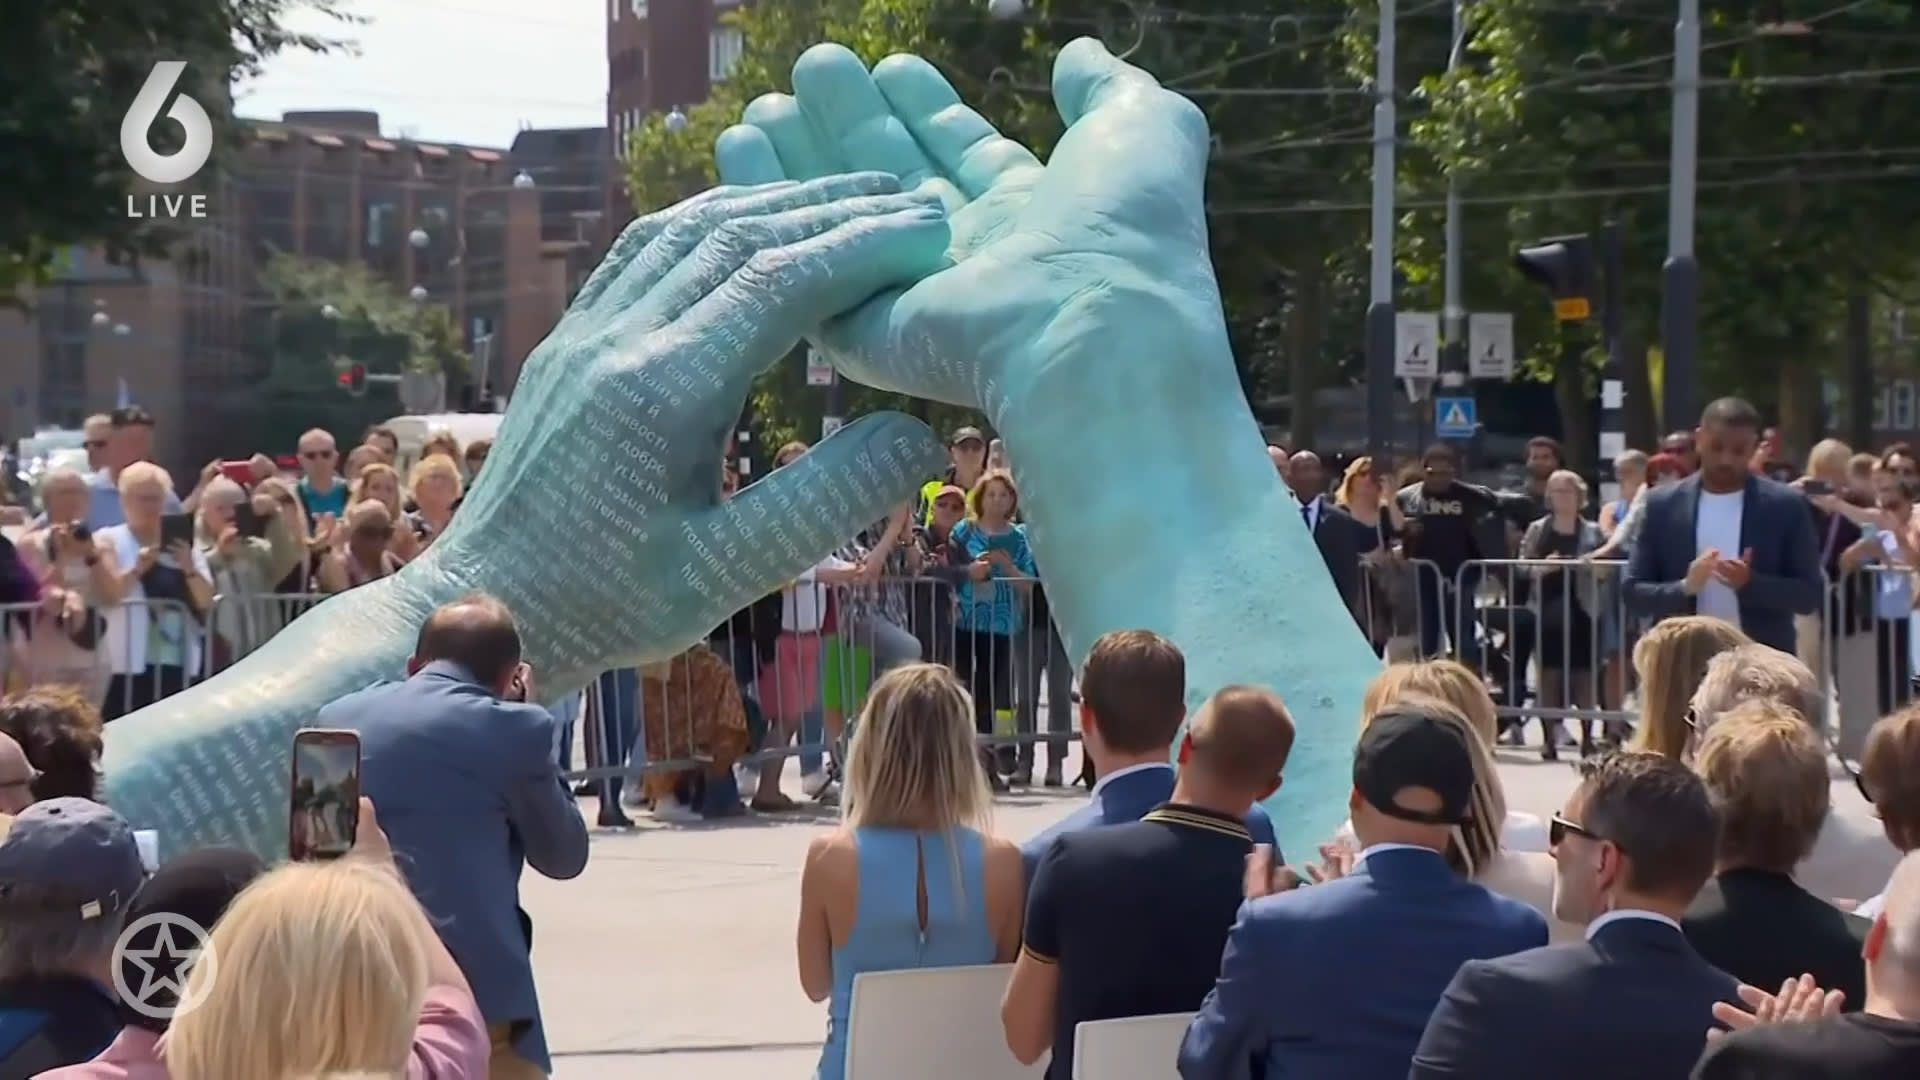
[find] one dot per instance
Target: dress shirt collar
(1100, 784)
(1624, 914)
(1378, 849)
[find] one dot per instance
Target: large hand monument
(1073, 302)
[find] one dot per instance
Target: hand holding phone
(176, 529)
(325, 813)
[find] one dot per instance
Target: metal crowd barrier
(801, 686)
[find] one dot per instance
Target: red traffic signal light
(354, 379)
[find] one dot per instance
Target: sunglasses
(95, 444)
(1559, 826)
(316, 455)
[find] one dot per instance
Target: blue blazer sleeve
(1652, 587)
(1260, 827)
(1230, 1031)
(539, 804)
(1798, 586)
(1463, 1036)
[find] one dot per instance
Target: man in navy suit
(1726, 542)
(463, 772)
(1335, 981)
(1133, 699)
(1633, 846)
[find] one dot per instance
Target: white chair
(1136, 1048)
(932, 1024)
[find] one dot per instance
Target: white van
(414, 431)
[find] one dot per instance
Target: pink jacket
(451, 1043)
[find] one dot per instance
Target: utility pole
(1453, 310)
(1680, 275)
(1380, 332)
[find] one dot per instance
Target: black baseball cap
(966, 434)
(1407, 747)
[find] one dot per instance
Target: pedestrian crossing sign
(1455, 417)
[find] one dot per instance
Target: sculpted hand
(1080, 313)
(598, 518)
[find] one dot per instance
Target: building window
(1902, 405)
(724, 47)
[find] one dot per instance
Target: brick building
(661, 55)
(180, 335)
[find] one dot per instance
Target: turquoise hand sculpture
(1080, 313)
(598, 518)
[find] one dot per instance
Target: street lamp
(676, 121)
(121, 329)
(328, 311)
(1005, 10)
(523, 180)
(101, 319)
(418, 238)
(418, 292)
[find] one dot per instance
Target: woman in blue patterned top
(993, 602)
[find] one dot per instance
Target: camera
(79, 531)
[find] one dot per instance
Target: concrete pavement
(673, 954)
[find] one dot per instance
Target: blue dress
(886, 927)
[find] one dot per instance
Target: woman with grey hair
(1851, 858)
(250, 546)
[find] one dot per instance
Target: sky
(459, 71)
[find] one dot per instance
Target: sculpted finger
(1154, 142)
(793, 518)
(686, 232)
(961, 142)
(803, 154)
(780, 293)
(634, 239)
(839, 98)
(744, 155)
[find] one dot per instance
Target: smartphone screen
(248, 522)
(1817, 487)
(176, 528)
(326, 794)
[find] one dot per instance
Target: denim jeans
(1440, 605)
(1037, 649)
(566, 713)
(620, 720)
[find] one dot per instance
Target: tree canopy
(1557, 120)
(69, 69)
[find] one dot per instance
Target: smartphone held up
(324, 817)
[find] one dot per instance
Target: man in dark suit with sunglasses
(1632, 848)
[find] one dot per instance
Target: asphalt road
(672, 955)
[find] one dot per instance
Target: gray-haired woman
(248, 552)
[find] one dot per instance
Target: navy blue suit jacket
(1775, 522)
(1636, 1000)
(1124, 799)
(467, 790)
(1336, 981)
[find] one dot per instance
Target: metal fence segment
(1553, 639)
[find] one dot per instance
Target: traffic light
(1564, 264)
(354, 379)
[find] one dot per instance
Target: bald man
(1129, 920)
(16, 777)
(1880, 1040)
(1278, 455)
(462, 768)
(1341, 539)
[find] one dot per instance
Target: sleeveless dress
(886, 928)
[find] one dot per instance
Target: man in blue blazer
(1133, 699)
(1336, 981)
(1633, 846)
(464, 812)
(1726, 542)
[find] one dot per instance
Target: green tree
(69, 69)
(325, 317)
(1562, 120)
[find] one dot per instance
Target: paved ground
(673, 954)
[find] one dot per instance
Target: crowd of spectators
(126, 592)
